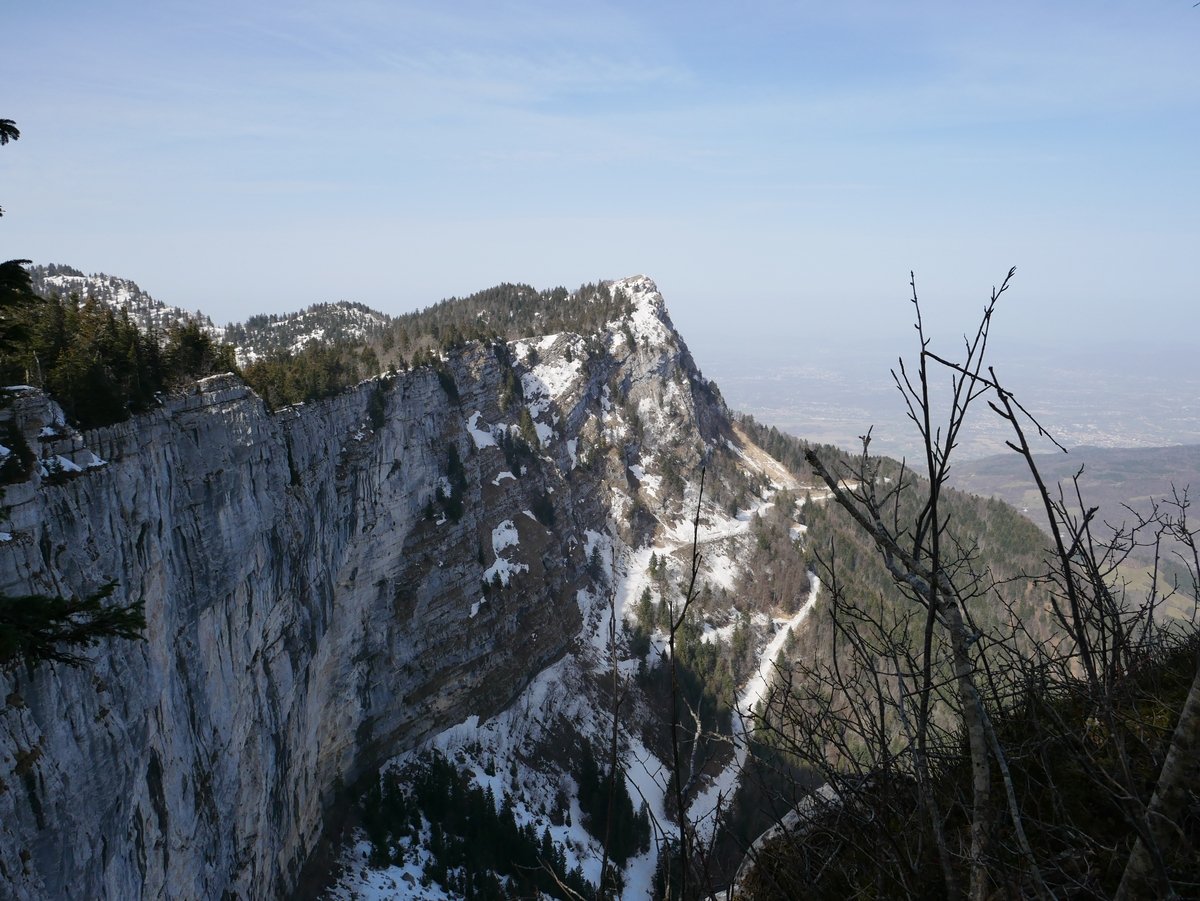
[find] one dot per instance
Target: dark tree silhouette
(37, 628)
(16, 296)
(8, 132)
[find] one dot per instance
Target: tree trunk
(1179, 778)
(981, 777)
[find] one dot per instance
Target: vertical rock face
(313, 604)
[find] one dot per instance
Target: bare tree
(921, 567)
(906, 693)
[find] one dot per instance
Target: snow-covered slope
(121, 294)
(324, 323)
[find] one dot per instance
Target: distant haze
(1110, 397)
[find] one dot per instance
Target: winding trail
(705, 807)
(649, 778)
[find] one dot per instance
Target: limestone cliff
(314, 586)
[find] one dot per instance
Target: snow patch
(551, 379)
(505, 569)
(481, 437)
(358, 882)
(722, 569)
(504, 535)
(489, 752)
(714, 635)
(56, 465)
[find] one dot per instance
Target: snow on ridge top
(123, 294)
(642, 291)
(637, 284)
(62, 280)
(648, 318)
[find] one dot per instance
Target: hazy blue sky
(776, 167)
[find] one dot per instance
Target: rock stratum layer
(313, 605)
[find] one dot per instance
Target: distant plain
(833, 392)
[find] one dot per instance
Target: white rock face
(306, 617)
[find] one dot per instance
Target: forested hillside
(92, 356)
(106, 347)
(1125, 485)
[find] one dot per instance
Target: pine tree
(39, 628)
(16, 303)
(527, 428)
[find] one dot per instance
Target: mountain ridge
(282, 557)
(492, 312)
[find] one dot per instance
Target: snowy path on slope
(648, 777)
(705, 807)
(636, 564)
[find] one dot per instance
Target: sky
(777, 168)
